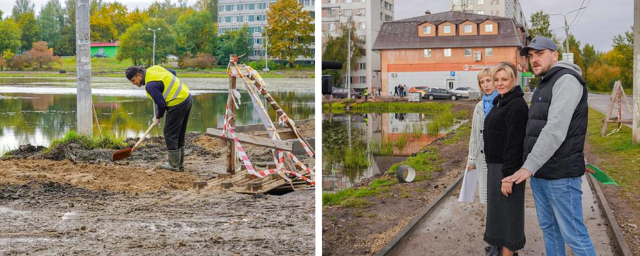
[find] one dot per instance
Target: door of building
(450, 84)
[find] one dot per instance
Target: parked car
(341, 93)
(421, 89)
(463, 91)
(100, 55)
(437, 93)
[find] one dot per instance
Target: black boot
(494, 250)
(181, 165)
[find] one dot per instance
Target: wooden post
(231, 168)
(83, 67)
(636, 73)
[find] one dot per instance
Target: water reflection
(359, 146)
(41, 118)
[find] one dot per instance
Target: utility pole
(636, 72)
(566, 32)
(154, 44)
(83, 66)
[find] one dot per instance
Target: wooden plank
(260, 127)
(624, 121)
(231, 160)
(254, 140)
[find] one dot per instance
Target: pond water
(359, 146)
(39, 110)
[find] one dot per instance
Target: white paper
(469, 183)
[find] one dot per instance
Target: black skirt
(505, 215)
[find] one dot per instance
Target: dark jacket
(568, 160)
(504, 131)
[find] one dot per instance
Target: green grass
(463, 132)
(442, 121)
(620, 157)
(355, 197)
(106, 141)
(400, 107)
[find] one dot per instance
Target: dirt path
(458, 228)
(76, 201)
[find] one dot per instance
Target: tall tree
(108, 21)
(136, 44)
(589, 57)
(574, 47)
(167, 11)
(540, 27)
(290, 32)
(209, 5)
(234, 42)
(10, 36)
(137, 16)
(1, 14)
(622, 57)
(22, 7)
(335, 49)
(67, 44)
(195, 32)
(50, 22)
(30, 30)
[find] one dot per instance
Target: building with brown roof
(446, 50)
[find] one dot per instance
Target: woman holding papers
(475, 160)
(504, 132)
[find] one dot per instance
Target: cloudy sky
(600, 21)
(598, 24)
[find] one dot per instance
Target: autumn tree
(574, 47)
(589, 57)
(168, 11)
(67, 44)
(622, 57)
(50, 22)
(42, 56)
(540, 27)
(290, 30)
(10, 36)
(208, 5)
(136, 44)
(234, 42)
(30, 31)
(336, 49)
(108, 22)
(195, 32)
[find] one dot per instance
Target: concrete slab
(457, 228)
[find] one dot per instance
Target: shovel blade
(122, 154)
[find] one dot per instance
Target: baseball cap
(539, 43)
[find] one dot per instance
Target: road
(457, 228)
(601, 103)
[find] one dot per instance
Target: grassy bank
(105, 141)
(620, 157)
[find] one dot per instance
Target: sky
(596, 26)
(600, 21)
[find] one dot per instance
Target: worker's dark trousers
(175, 127)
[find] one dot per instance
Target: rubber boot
(181, 165)
(174, 161)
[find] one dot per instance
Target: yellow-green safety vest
(175, 92)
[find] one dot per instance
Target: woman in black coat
(504, 132)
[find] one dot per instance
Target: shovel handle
(143, 136)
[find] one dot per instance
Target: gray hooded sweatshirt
(567, 93)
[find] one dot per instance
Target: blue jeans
(559, 210)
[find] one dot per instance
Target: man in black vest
(553, 149)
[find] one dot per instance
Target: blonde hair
(508, 68)
(484, 72)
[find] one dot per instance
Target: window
(227, 19)
(447, 52)
(362, 11)
(332, 27)
(467, 52)
(362, 66)
(488, 27)
(239, 7)
(363, 79)
(426, 30)
(447, 29)
(481, 12)
(252, 6)
(252, 17)
(488, 51)
(427, 53)
(228, 8)
(347, 12)
(240, 19)
(467, 28)
(480, 2)
(363, 25)
(347, 1)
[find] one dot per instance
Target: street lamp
(266, 39)
(154, 44)
(566, 26)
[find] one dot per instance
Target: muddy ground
(364, 231)
(76, 201)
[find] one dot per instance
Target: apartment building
(502, 8)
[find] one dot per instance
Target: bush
(201, 61)
(259, 65)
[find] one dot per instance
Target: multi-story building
(502, 8)
(368, 16)
(446, 50)
(233, 14)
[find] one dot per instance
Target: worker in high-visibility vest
(171, 96)
(366, 94)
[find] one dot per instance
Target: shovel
(124, 153)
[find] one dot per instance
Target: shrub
(201, 61)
